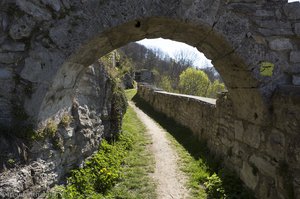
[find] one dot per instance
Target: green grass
(119, 170)
(207, 177)
(139, 163)
(130, 93)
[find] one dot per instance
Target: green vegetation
(119, 106)
(193, 82)
(49, 131)
(266, 68)
(130, 93)
(166, 84)
(196, 82)
(66, 120)
(11, 162)
(123, 65)
(215, 88)
(207, 176)
(118, 170)
(175, 74)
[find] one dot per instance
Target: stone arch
(235, 35)
(226, 37)
(239, 79)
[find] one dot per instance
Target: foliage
(11, 162)
(193, 82)
(50, 129)
(100, 173)
(48, 132)
(166, 84)
(130, 93)
(215, 88)
(166, 70)
(118, 101)
(118, 108)
(66, 120)
(214, 187)
(225, 185)
(122, 67)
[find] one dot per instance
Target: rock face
(45, 46)
(78, 135)
(265, 157)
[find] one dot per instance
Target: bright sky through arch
(290, 1)
(171, 47)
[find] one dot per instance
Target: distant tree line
(175, 74)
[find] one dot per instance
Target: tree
(215, 88)
(185, 58)
(166, 84)
(194, 82)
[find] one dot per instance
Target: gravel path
(170, 180)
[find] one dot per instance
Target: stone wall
(265, 156)
(44, 160)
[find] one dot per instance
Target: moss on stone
(266, 69)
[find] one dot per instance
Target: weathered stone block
(281, 44)
(12, 46)
(54, 4)
(239, 130)
(263, 164)
(22, 27)
(249, 176)
(297, 29)
(276, 32)
(10, 58)
(264, 13)
(296, 80)
(252, 135)
(295, 56)
(276, 145)
(5, 74)
(32, 70)
(66, 4)
(292, 10)
(30, 8)
(292, 69)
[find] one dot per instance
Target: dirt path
(169, 178)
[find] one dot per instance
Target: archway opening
(238, 77)
(174, 67)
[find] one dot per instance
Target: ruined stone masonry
(46, 45)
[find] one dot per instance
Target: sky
(171, 47)
(293, 0)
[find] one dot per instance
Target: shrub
(214, 187)
(100, 173)
(51, 129)
(66, 120)
(226, 184)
